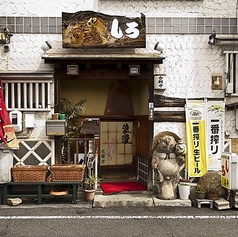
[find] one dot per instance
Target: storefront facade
(184, 62)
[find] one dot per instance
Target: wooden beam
(169, 116)
(163, 101)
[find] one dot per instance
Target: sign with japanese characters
(88, 29)
(215, 133)
(205, 135)
(196, 163)
(229, 170)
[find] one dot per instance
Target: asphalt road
(73, 220)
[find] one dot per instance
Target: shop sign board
(196, 162)
(215, 133)
(229, 170)
(88, 29)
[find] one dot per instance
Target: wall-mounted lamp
(222, 39)
(134, 70)
(159, 47)
(212, 38)
(5, 36)
(72, 69)
(46, 46)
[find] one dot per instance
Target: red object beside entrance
(116, 187)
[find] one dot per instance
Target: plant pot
(200, 195)
(212, 196)
(184, 190)
(89, 194)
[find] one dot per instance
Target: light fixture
(6, 48)
(159, 47)
(222, 39)
(46, 46)
(212, 38)
(134, 70)
(5, 36)
(72, 69)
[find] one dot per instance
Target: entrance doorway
(117, 148)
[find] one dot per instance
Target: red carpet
(117, 187)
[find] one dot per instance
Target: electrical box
(16, 119)
(55, 127)
(29, 120)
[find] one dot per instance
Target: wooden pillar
(150, 121)
(58, 145)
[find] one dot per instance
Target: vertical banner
(196, 162)
(215, 133)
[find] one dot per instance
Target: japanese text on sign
(196, 151)
(225, 174)
(214, 138)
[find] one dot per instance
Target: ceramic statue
(168, 156)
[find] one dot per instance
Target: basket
(67, 172)
(29, 173)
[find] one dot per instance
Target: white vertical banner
(215, 133)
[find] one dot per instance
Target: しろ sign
(88, 29)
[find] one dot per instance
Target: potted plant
(90, 187)
(200, 191)
(73, 115)
(184, 188)
(213, 193)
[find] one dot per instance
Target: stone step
(222, 204)
(135, 198)
(123, 199)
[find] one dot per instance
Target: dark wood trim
(169, 116)
(107, 74)
(163, 101)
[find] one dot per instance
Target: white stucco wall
(221, 8)
(44, 7)
(216, 8)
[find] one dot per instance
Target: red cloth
(7, 133)
(116, 187)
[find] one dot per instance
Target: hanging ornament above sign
(88, 29)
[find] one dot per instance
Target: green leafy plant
(213, 191)
(73, 112)
(90, 181)
(200, 189)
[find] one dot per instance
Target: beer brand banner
(7, 133)
(196, 162)
(215, 133)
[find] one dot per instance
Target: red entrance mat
(117, 187)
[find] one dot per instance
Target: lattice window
(232, 72)
(34, 92)
(34, 152)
